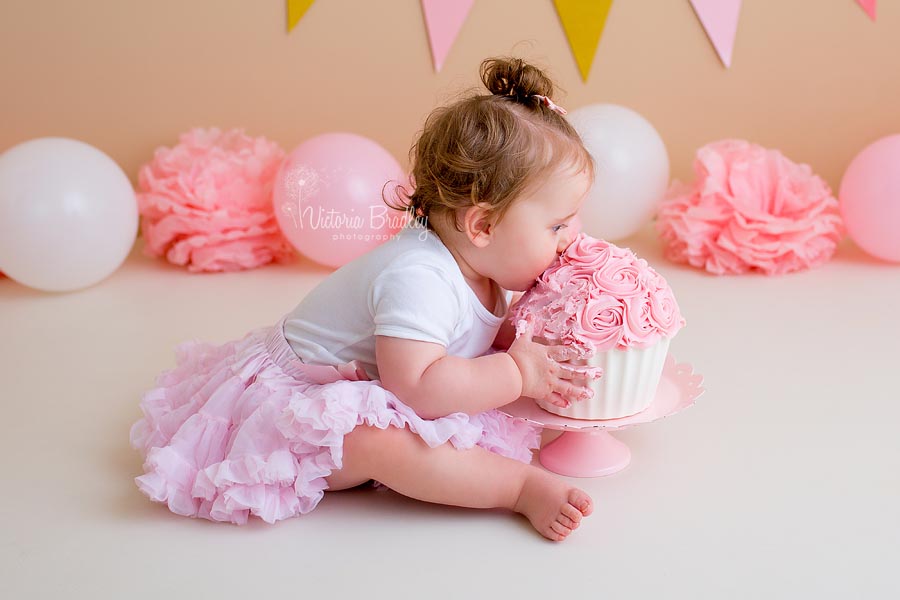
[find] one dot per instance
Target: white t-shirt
(408, 287)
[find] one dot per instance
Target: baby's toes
(566, 521)
(559, 528)
(571, 516)
(580, 500)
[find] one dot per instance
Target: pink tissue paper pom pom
(749, 210)
(207, 202)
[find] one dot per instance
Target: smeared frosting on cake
(597, 297)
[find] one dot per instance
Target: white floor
(783, 481)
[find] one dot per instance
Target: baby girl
(390, 372)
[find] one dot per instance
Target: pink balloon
(870, 199)
(328, 197)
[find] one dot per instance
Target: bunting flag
(868, 6)
(720, 19)
(444, 19)
(295, 11)
(583, 22)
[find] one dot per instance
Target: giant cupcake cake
(616, 312)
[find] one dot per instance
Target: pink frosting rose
(601, 321)
(597, 297)
(750, 209)
(586, 252)
(207, 202)
(620, 276)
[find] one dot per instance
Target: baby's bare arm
(435, 385)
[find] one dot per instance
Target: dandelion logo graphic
(302, 183)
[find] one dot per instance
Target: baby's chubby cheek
(575, 225)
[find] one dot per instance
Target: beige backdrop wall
(814, 78)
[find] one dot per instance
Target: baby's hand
(543, 377)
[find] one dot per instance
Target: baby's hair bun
(514, 77)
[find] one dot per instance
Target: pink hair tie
(545, 100)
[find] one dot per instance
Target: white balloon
(631, 169)
(68, 214)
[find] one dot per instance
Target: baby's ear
(478, 224)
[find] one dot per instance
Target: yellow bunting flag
(295, 11)
(583, 21)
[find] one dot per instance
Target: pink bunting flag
(719, 18)
(444, 19)
(868, 6)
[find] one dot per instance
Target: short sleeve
(415, 302)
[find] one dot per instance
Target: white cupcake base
(628, 386)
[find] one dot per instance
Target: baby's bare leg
(474, 478)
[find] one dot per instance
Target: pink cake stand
(586, 449)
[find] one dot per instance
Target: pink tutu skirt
(247, 428)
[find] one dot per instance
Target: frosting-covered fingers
(560, 353)
(580, 393)
(571, 393)
(524, 327)
(564, 372)
(582, 371)
(557, 400)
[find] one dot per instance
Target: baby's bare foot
(554, 507)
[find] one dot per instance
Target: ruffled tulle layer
(243, 429)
